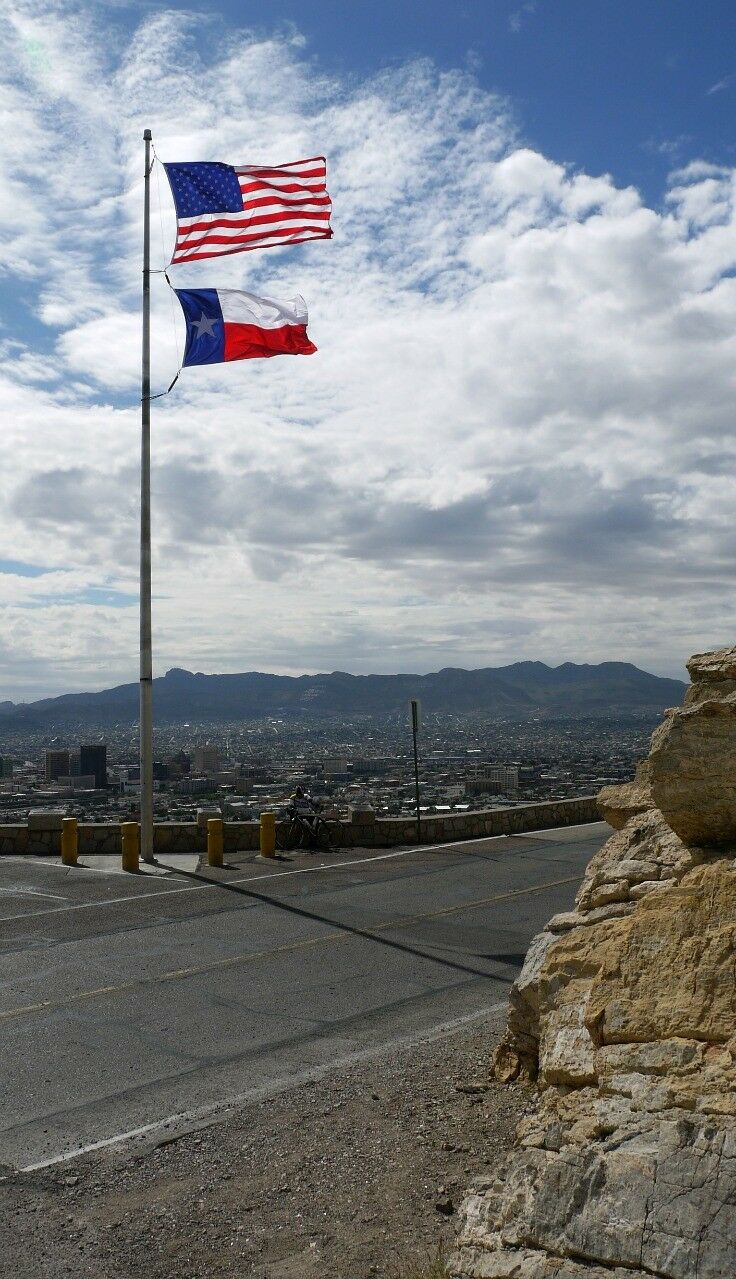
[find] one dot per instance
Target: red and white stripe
(283, 205)
(257, 327)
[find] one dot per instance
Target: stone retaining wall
(362, 832)
(385, 832)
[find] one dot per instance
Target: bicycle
(307, 831)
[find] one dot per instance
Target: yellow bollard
(215, 841)
(131, 841)
(268, 834)
(69, 841)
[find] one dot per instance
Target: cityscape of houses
(465, 763)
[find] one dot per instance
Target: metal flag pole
(146, 667)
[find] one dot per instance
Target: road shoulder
(350, 1175)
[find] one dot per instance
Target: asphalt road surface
(137, 1004)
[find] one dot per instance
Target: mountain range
(521, 690)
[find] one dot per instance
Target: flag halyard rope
(163, 271)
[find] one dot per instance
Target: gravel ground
(353, 1176)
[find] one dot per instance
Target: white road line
(32, 860)
(254, 879)
(33, 892)
(110, 901)
(274, 1087)
(200, 887)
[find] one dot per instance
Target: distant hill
(521, 690)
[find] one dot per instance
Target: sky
(516, 440)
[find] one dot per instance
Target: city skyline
(514, 441)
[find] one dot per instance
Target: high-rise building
(57, 765)
(193, 785)
(206, 759)
(179, 764)
(486, 777)
(77, 783)
(335, 764)
(6, 766)
(93, 760)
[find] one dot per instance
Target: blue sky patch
(17, 568)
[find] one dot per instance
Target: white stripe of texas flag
(239, 307)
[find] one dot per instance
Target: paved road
(125, 1000)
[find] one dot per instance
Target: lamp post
(415, 714)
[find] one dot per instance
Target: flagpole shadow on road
(267, 900)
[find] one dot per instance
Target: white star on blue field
(205, 325)
(204, 188)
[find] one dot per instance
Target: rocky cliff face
(625, 1014)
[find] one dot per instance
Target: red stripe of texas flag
(249, 342)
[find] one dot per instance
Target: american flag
(221, 208)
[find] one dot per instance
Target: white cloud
(720, 85)
(515, 440)
(521, 15)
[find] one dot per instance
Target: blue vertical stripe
(205, 326)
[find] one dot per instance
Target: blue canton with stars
(205, 326)
(203, 187)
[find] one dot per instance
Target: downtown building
(93, 763)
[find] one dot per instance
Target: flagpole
(146, 661)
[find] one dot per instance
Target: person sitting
(302, 803)
(305, 812)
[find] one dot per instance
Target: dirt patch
(350, 1177)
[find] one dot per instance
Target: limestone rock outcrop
(619, 803)
(625, 1013)
(693, 766)
(712, 675)
(692, 763)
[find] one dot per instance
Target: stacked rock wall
(37, 836)
(625, 1014)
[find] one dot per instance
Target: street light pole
(415, 719)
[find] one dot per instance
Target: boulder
(517, 1055)
(693, 771)
(670, 968)
(630, 1160)
(660, 1201)
(618, 804)
(646, 852)
(625, 1013)
(713, 675)
(646, 849)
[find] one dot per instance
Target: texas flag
(228, 324)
